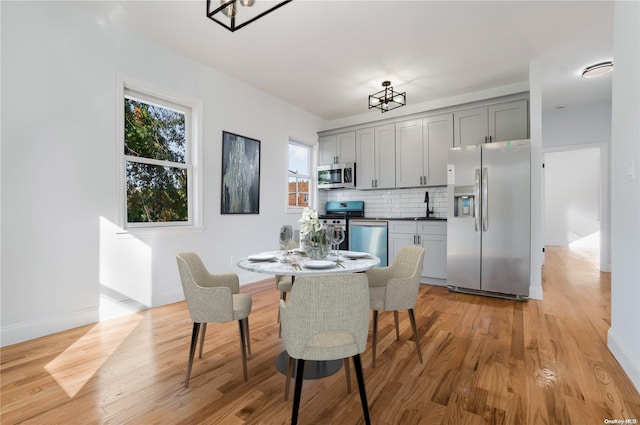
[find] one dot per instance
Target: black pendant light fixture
(236, 17)
(387, 99)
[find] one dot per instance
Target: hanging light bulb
(229, 11)
(247, 3)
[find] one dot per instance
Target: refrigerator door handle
(477, 200)
(485, 199)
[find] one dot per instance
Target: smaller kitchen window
(299, 180)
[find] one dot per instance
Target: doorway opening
(574, 200)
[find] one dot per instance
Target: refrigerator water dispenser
(463, 201)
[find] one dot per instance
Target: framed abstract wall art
(240, 174)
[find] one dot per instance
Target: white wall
(577, 125)
(572, 195)
(59, 159)
(623, 336)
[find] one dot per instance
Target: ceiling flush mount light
(597, 69)
(387, 99)
(236, 17)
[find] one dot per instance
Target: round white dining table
(298, 264)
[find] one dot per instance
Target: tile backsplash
(391, 203)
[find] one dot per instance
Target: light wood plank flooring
(486, 361)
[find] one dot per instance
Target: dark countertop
(405, 218)
(417, 218)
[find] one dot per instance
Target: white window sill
(133, 232)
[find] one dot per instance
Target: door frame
(604, 196)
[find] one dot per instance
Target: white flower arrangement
(313, 237)
(309, 222)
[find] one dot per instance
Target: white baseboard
(624, 356)
(30, 329)
(433, 281)
(535, 292)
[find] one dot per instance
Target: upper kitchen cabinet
(493, 123)
(375, 157)
(421, 151)
(337, 148)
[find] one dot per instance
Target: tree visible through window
(299, 175)
(157, 160)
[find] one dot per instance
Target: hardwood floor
(486, 361)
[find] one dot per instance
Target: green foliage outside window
(156, 173)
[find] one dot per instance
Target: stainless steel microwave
(337, 176)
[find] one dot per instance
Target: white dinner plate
(355, 254)
(266, 256)
(319, 264)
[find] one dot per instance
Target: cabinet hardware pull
(485, 139)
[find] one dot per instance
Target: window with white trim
(299, 182)
(159, 146)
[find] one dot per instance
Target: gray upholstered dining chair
(396, 288)
(284, 283)
(212, 298)
(326, 318)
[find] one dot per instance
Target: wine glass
(286, 233)
(329, 231)
(339, 238)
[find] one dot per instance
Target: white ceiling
(327, 56)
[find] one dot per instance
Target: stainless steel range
(339, 213)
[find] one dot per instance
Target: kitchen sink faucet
(426, 199)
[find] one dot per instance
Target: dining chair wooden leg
(192, 351)
(247, 335)
(287, 384)
(243, 347)
(297, 391)
(412, 317)
(374, 339)
(363, 392)
(395, 319)
(203, 330)
(347, 372)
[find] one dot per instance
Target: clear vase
(317, 245)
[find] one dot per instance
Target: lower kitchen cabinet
(431, 235)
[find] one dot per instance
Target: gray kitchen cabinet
(337, 148)
(375, 157)
(437, 133)
(421, 151)
(431, 235)
(492, 123)
(433, 238)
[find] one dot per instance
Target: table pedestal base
(312, 369)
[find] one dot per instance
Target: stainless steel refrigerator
(489, 219)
